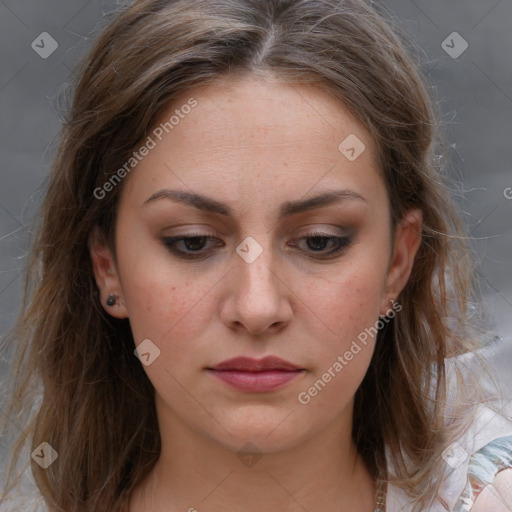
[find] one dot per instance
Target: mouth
(256, 375)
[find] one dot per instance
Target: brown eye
(192, 245)
(318, 243)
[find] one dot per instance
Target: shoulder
(475, 471)
(489, 478)
(496, 496)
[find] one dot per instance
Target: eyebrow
(287, 209)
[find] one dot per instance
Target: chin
(269, 433)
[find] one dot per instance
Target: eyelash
(342, 243)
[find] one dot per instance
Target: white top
(455, 490)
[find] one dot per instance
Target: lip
(247, 364)
(256, 375)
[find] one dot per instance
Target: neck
(196, 473)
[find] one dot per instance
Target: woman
(249, 287)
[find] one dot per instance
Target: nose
(259, 297)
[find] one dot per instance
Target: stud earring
(111, 300)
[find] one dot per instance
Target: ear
(407, 243)
(106, 275)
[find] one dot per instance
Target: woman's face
(260, 174)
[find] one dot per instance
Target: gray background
(475, 92)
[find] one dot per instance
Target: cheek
(342, 353)
(164, 302)
(347, 303)
(164, 310)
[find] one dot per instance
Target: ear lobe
(407, 243)
(105, 273)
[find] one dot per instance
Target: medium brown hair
(96, 404)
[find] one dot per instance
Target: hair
(75, 376)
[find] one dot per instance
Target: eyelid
(339, 231)
(325, 231)
(198, 231)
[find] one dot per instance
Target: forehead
(266, 112)
(250, 138)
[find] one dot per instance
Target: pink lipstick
(256, 375)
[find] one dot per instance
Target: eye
(194, 243)
(317, 243)
(193, 246)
